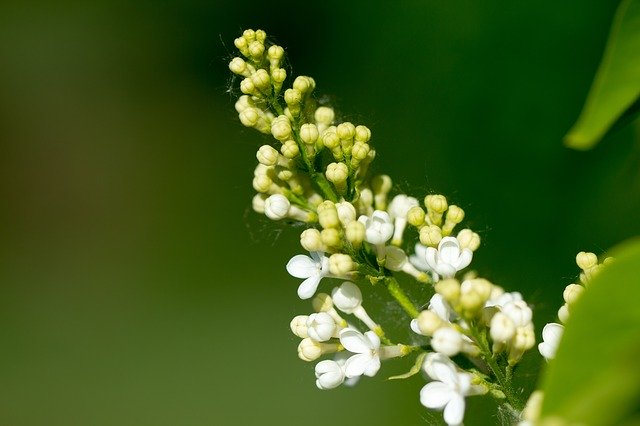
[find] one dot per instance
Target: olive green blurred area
(136, 285)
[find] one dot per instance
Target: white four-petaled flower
(367, 352)
(379, 227)
(448, 388)
(449, 258)
(312, 268)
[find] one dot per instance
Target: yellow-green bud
(322, 302)
(331, 237)
(449, 289)
(468, 239)
(242, 45)
(281, 128)
(247, 87)
(455, 214)
(381, 184)
(309, 350)
(471, 302)
(586, 260)
(260, 35)
(275, 53)
(415, 216)
(330, 139)
(340, 264)
(480, 286)
(572, 292)
(337, 173)
(309, 133)
(430, 235)
(428, 322)
(324, 115)
(258, 203)
(292, 97)
(249, 35)
(249, 117)
(304, 84)
(346, 131)
(238, 66)
(324, 205)
(289, 149)
(359, 151)
(256, 49)
(311, 240)
(436, 203)
(363, 134)
(262, 183)
(279, 75)
(267, 155)
(355, 233)
(328, 217)
(261, 80)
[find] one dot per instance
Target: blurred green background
(136, 285)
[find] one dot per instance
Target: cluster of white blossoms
(358, 229)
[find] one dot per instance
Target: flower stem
(394, 289)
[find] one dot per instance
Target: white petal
(316, 256)
(552, 332)
(464, 259)
(431, 257)
(301, 266)
(435, 395)
(356, 365)
(449, 250)
(440, 307)
(445, 269)
(454, 411)
(372, 367)
(374, 339)
(308, 287)
(354, 341)
(414, 326)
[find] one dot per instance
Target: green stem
(394, 289)
(503, 379)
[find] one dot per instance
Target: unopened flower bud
(256, 49)
(292, 97)
(563, 313)
(346, 212)
(249, 117)
(428, 322)
(501, 328)
(340, 264)
(304, 84)
(248, 87)
(275, 53)
(415, 216)
(347, 297)
(519, 312)
(324, 115)
(586, 260)
(446, 341)
(436, 203)
(276, 207)
(430, 235)
(329, 374)
(309, 133)
(362, 134)
(328, 215)
(359, 151)
(258, 203)
(330, 139)
(449, 289)
(299, 326)
(468, 239)
(310, 240)
(281, 128)
(331, 237)
(310, 350)
(346, 131)
(238, 66)
(262, 183)
(337, 173)
(572, 292)
(355, 233)
(381, 184)
(290, 149)
(261, 80)
(267, 155)
(279, 75)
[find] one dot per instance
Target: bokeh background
(137, 287)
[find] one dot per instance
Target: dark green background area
(136, 285)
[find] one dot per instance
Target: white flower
(366, 347)
(448, 258)
(378, 227)
(502, 328)
(446, 341)
(438, 305)
(503, 299)
(276, 207)
(398, 209)
(551, 335)
(313, 268)
(329, 374)
(347, 297)
(518, 311)
(321, 327)
(396, 260)
(419, 258)
(448, 389)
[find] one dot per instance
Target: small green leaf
(595, 377)
(414, 370)
(617, 82)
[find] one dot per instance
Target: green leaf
(617, 82)
(595, 377)
(414, 370)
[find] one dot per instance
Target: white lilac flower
(446, 341)
(419, 258)
(348, 298)
(329, 374)
(448, 388)
(502, 299)
(438, 305)
(379, 227)
(312, 268)
(277, 207)
(449, 258)
(519, 312)
(396, 260)
(551, 336)
(398, 209)
(321, 327)
(367, 352)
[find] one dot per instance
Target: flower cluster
(359, 229)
